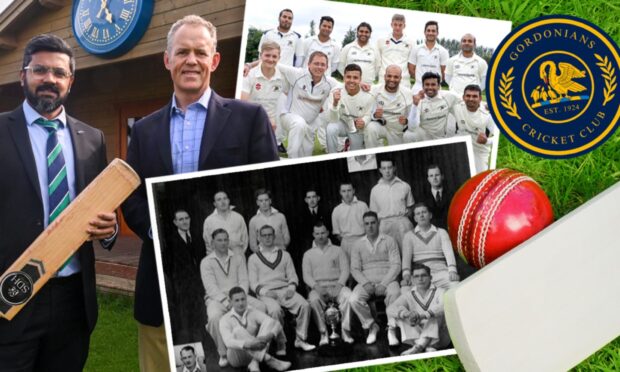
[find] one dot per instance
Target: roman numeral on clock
(125, 15)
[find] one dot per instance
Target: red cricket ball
(494, 212)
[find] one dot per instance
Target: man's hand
(380, 290)
(454, 277)
(418, 97)
(365, 87)
(254, 344)
(414, 318)
(265, 339)
(406, 280)
(290, 292)
(402, 120)
(271, 294)
(337, 95)
(370, 288)
(359, 123)
(102, 227)
(482, 138)
(226, 303)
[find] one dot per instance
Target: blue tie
(57, 185)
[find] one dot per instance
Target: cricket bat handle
(63, 237)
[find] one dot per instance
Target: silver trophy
(332, 319)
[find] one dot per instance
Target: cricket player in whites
(349, 111)
(428, 118)
(391, 110)
(266, 85)
(395, 50)
(466, 67)
(474, 121)
(309, 90)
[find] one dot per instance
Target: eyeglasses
(41, 71)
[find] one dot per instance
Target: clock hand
(108, 16)
(104, 3)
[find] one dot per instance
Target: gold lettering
(514, 56)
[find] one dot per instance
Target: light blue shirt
(38, 141)
(186, 130)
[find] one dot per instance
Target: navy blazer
(236, 133)
(21, 215)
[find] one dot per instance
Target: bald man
(391, 109)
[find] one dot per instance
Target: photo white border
(281, 163)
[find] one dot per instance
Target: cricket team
(292, 79)
(356, 254)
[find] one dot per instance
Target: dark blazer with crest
(235, 133)
(21, 214)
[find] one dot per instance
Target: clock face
(109, 28)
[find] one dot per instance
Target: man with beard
(289, 40)
(395, 50)
(349, 111)
(429, 56)
(362, 53)
(323, 43)
(466, 67)
(429, 114)
(477, 123)
(47, 158)
(391, 111)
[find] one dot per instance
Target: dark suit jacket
(235, 133)
(439, 210)
(21, 214)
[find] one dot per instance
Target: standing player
(428, 118)
(391, 198)
(477, 123)
(428, 57)
(323, 43)
(223, 217)
(290, 41)
(392, 106)
(361, 52)
(466, 67)
(347, 218)
(395, 50)
(267, 215)
(349, 111)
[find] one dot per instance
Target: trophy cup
(335, 347)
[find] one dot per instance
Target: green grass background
(569, 183)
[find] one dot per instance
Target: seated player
(326, 271)
(375, 263)
(247, 334)
(273, 279)
(429, 245)
(220, 271)
(419, 314)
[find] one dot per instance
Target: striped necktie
(57, 185)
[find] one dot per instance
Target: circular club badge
(16, 288)
(552, 86)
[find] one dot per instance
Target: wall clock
(110, 28)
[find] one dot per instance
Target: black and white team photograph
(310, 263)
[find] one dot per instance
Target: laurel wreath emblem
(505, 96)
(609, 75)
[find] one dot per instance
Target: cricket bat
(547, 304)
(63, 237)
